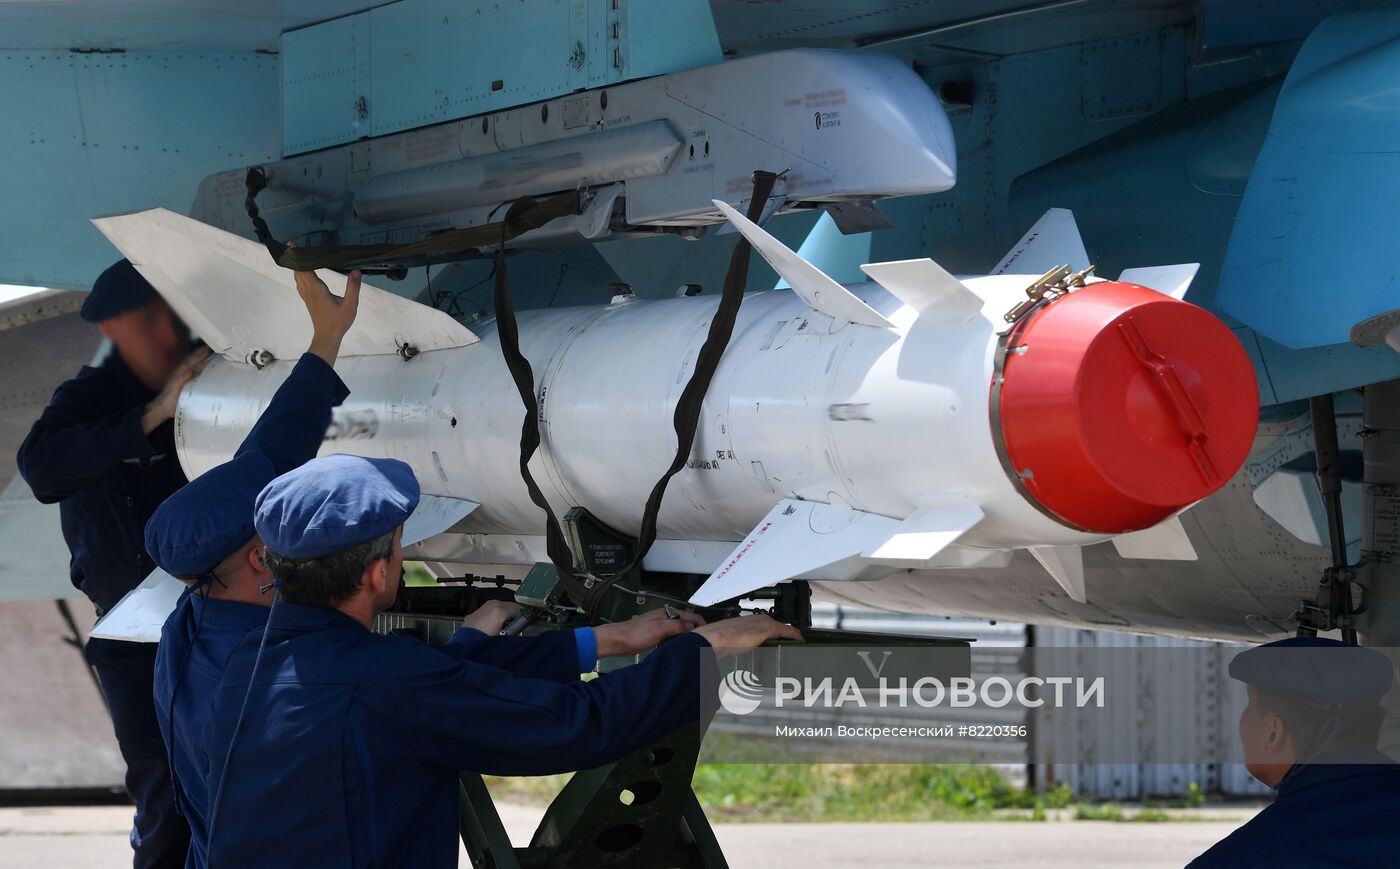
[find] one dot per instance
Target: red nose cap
(1120, 406)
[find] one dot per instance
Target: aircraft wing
(42, 343)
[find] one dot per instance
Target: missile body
(931, 434)
(885, 422)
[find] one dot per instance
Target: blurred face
(151, 340)
(1268, 749)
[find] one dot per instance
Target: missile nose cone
(1119, 406)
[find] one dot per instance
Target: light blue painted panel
(1313, 249)
(652, 31)
(191, 26)
(1319, 370)
(325, 85)
(421, 62)
(88, 134)
(437, 60)
(1229, 23)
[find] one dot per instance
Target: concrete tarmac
(94, 837)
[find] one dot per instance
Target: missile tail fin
(1166, 541)
(1171, 281)
(923, 285)
(434, 515)
(794, 538)
(140, 614)
(925, 533)
(238, 300)
(1066, 565)
(806, 280)
(1053, 241)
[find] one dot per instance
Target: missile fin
(794, 538)
(808, 281)
(1066, 565)
(1171, 281)
(1165, 541)
(434, 515)
(925, 533)
(238, 300)
(923, 285)
(140, 614)
(1053, 241)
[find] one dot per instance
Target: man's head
(151, 339)
(374, 569)
(205, 531)
(1308, 697)
(334, 531)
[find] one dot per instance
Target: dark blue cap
(1316, 671)
(210, 518)
(333, 503)
(119, 289)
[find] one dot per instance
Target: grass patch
(838, 792)
(795, 793)
(861, 792)
(415, 574)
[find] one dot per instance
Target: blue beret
(333, 503)
(119, 289)
(1316, 671)
(210, 518)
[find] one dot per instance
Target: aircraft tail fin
(1053, 241)
(239, 301)
(838, 255)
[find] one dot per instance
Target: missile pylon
(916, 420)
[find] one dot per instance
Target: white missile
(850, 431)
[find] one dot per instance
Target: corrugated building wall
(1217, 699)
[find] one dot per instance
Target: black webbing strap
(523, 216)
(685, 420)
(453, 243)
(508, 330)
(687, 416)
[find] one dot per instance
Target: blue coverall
(199, 636)
(1326, 814)
(87, 453)
(352, 741)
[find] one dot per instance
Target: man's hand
(492, 616)
(162, 407)
(744, 634)
(331, 315)
(643, 632)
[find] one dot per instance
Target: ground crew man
(204, 535)
(1310, 732)
(104, 451)
(332, 745)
